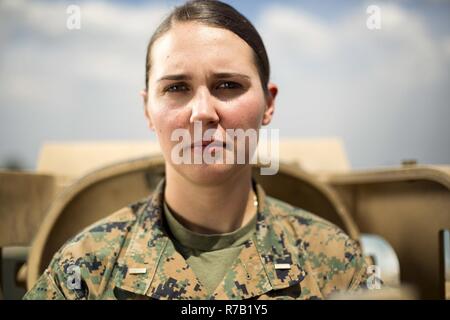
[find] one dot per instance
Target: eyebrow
(221, 75)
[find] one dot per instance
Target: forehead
(191, 47)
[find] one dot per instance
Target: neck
(211, 209)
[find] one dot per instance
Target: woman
(208, 231)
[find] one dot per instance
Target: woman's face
(206, 75)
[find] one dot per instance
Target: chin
(209, 174)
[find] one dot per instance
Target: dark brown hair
(216, 14)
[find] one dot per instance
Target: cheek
(166, 121)
(246, 112)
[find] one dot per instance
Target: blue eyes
(180, 87)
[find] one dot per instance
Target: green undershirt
(209, 255)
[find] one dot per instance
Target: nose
(203, 108)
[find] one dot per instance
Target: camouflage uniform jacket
(129, 255)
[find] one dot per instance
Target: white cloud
(58, 84)
(385, 92)
(446, 46)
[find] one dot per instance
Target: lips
(208, 143)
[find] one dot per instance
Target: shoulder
(106, 231)
(91, 254)
(336, 259)
(102, 238)
(304, 223)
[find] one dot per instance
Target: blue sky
(385, 92)
(436, 12)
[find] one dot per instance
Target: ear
(270, 108)
(144, 95)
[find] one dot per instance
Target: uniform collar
(151, 265)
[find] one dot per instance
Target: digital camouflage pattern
(322, 259)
